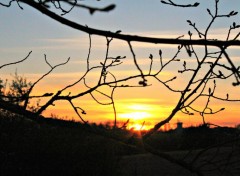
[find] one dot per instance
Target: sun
(135, 115)
(136, 120)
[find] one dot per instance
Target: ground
(54, 147)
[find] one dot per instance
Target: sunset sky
(27, 30)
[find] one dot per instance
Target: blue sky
(22, 27)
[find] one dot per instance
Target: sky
(22, 31)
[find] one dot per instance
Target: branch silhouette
(115, 35)
(169, 2)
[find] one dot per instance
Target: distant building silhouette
(179, 126)
(238, 127)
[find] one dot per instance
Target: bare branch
(89, 51)
(7, 5)
(13, 63)
(143, 82)
(234, 69)
(92, 10)
(76, 110)
(43, 76)
(179, 5)
(128, 38)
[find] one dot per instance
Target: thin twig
(13, 63)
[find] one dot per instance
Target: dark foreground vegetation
(58, 148)
(55, 147)
(193, 138)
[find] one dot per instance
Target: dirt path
(149, 165)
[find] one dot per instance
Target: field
(54, 147)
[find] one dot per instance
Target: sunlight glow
(135, 115)
(137, 127)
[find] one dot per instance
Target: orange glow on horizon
(138, 105)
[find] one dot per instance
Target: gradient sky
(27, 30)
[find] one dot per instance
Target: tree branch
(217, 43)
(16, 61)
(179, 5)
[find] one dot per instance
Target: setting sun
(137, 114)
(136, 120)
